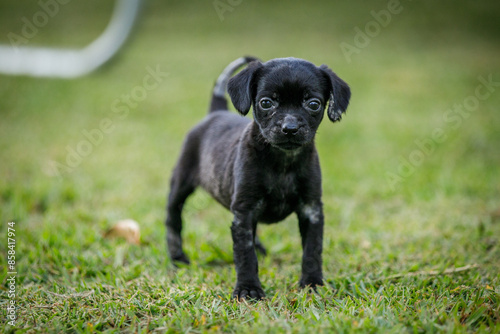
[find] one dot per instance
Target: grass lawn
(411, 176)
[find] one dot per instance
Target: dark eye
(266, 104)
(314, 105)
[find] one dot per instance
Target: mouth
(288, 142)
(288, 145)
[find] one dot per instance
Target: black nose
(290, 128)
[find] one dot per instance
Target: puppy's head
(289, 97)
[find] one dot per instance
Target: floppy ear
(240, 87)
(340, 94)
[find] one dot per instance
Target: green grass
(387, 246)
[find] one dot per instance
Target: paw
(180, 258)
(311, 281)
(248, 291)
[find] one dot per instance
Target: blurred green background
(426, 60)
(405, 79)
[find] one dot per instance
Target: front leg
(311, 224)
(245, 259)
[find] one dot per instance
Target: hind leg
(180, 188)
(259, 246)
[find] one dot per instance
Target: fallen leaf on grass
(127, 229)
(434, 272)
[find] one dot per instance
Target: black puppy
(265, 169)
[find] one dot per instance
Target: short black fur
(262, 170)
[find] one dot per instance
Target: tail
(219, 101)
